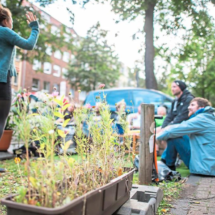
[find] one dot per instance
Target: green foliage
(95, 62)
(51, 183)
(134, 76)
(171, 191)
(196, 62)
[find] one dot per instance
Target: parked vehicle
(133, 98)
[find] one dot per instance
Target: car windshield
(115, 96)
(147, 97)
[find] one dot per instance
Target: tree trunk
(151, 82)
(137, 78)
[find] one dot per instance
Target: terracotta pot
(5, 140)
(102, 201)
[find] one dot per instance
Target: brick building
(52, 74)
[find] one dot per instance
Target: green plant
(10, 124)
(51, 182)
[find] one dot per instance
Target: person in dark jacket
(179, 110)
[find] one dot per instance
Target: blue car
(133, 98)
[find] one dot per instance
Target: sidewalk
(197, 197)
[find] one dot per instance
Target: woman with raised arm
(8, 40)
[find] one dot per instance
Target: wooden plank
(145, 157)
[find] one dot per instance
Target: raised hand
(30, 17)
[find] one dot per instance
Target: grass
(10, 181)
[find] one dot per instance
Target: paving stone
(202, 194)
(212, 210)
(195, 213)
(202, 189)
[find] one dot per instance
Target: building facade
(48, 75)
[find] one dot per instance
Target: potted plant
(7, 134)
(95, 183)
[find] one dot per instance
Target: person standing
(178, 113)
(8, 40)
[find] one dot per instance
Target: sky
(85, 18)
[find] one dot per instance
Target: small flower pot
(6, 140)
(102, 201)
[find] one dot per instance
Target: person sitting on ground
(68, 114)
(120, 117)
(198, 150)
(161, 111)
(134, 119)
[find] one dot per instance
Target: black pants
(5, 103)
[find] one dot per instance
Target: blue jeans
(179, 145)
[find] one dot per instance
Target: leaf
(58, 101)
(33, 181)
(61, 133)
(58, 114)
(65, 123)
(66, 145)
(65, 107)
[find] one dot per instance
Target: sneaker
(164, 161)
(173, 168)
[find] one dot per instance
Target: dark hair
(5, 14)
(201, 102)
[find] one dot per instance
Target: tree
(196, 62)
(46, 37)
(135, 79)
(95, 62)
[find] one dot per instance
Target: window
(57, 54)
(15, 79)
(66, 57)
(72, 58)
(57, 71)
(168, 103)
(18, 57)
(147, 97)
(46, 86)
(68, 31)
(48, 50)
(35, 84)
(55, 30)
(63, 88)
(67, 37)
(36, 65)
(72, 93)
(115, 96)
(64, 72)
(46, 17)
(82, 95)
(57, 86)
(47, 68)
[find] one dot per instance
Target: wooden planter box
(102, 201)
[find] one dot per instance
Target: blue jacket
(201, 130)
(8, 40)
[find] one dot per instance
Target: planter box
(102, 201)
(5, 140)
